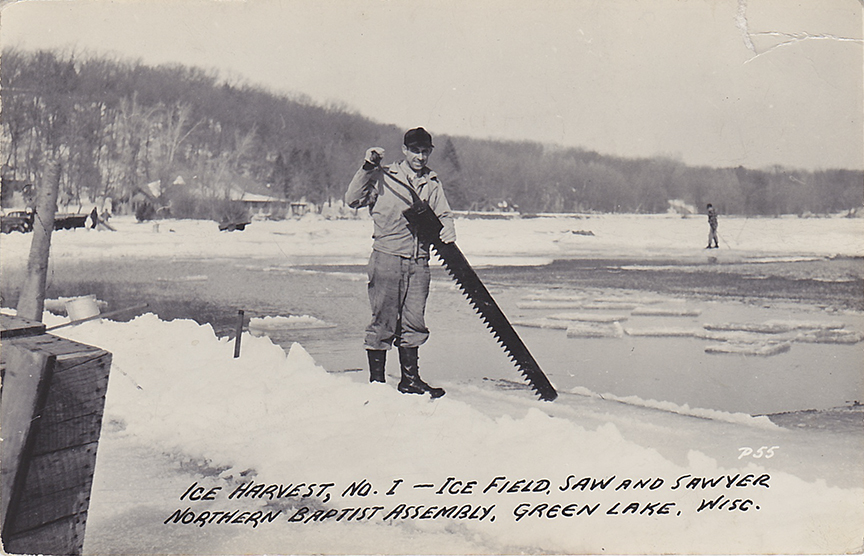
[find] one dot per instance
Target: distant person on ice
(399, 266)
(712, 223)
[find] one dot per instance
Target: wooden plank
(79, 386)
(81, 377)
(73, 409)
(51, 497)
(12, 326)
(23, 382)
(58, 471)
(68, 533)
(40, 512)
(54, 345)
(78, 431)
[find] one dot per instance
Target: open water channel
(461, 351)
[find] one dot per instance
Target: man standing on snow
(399, 266)
(712, 222)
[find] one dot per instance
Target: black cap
(418, 136)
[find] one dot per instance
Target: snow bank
(272, 417)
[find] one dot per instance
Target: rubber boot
(411, 382)
(377, 358)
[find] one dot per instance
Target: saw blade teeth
(484, 305)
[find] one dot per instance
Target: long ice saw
(428, 227)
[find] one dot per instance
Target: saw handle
(423, 220)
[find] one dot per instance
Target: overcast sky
(704, 81)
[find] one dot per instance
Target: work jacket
(384, 191)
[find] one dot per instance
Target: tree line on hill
(117, 125)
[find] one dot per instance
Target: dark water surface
(677, 370)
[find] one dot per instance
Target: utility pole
(31, 300)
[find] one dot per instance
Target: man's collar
(408, 171)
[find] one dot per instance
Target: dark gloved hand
(374, 157)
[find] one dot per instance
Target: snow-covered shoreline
(485, 242)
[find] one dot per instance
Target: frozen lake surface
(643, 402)
(313, 268)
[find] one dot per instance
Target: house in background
(256, 198)
(260, 204)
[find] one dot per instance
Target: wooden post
(239, 333)
(31, 300)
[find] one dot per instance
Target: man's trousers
(398, 288)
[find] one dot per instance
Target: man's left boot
(411, 382)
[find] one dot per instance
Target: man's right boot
(377, 359)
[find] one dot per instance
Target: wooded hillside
(118, 125)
